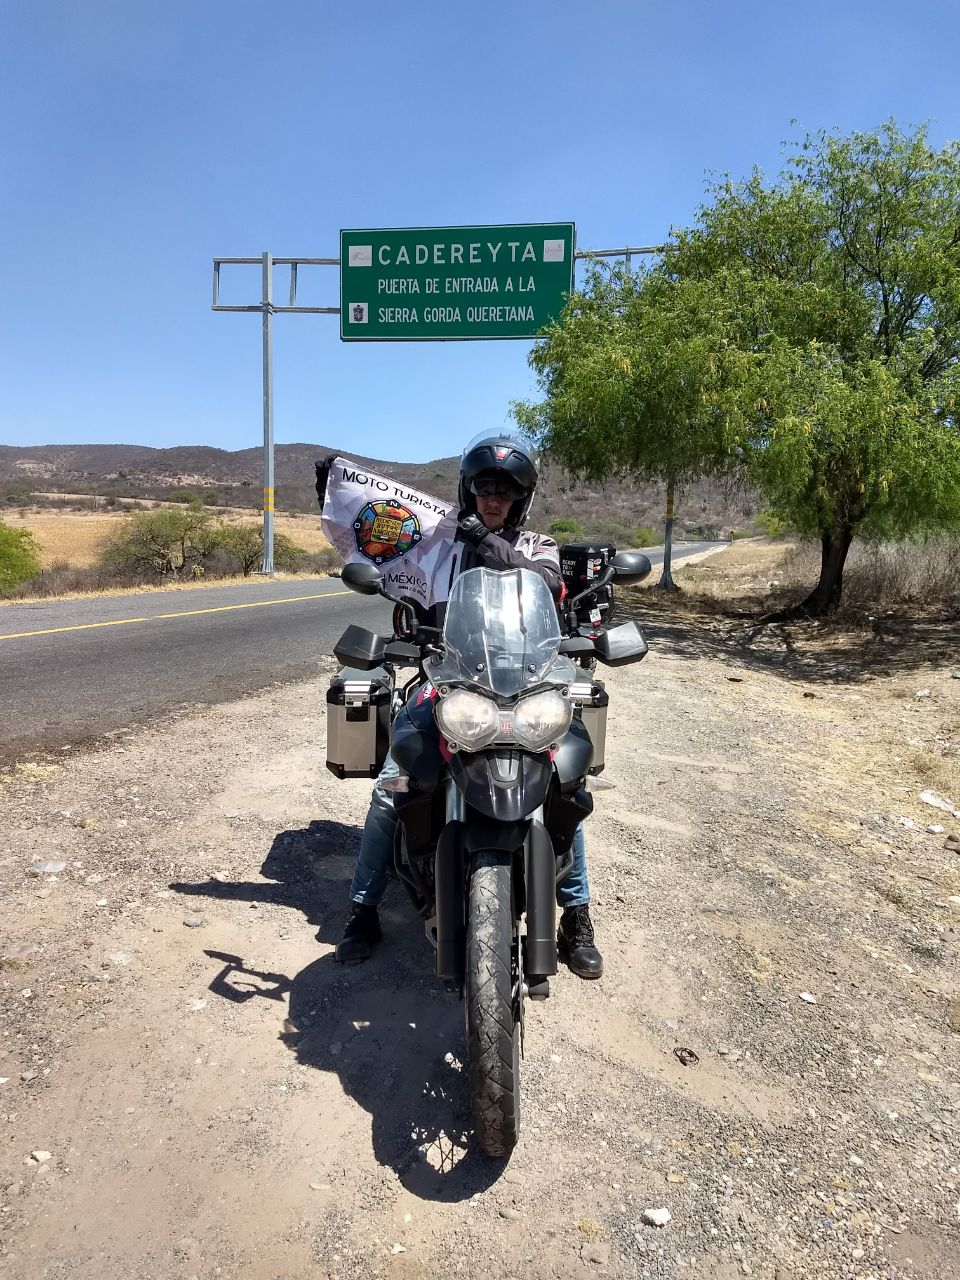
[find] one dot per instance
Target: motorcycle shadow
(385, 1028)
(396, 1042)
(308, 869)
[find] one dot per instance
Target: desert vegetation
(19, 560)
(886, 584)
(55, 553)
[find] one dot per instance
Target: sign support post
(268, 310)
(268, 486)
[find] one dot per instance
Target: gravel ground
(219, 1099)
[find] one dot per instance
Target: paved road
(681, 551)
(72, 670)
(131, 658)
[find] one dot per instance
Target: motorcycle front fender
(457, 842)
(508, 786)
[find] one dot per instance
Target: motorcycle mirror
(362, 578)
(630, 567)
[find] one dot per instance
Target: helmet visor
(496, 487)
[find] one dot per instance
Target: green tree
(848, 272)
(163, 544)
(640, 380)
(808, 327)
(17, 493)
(286, 553)
(244, 542)
(19, 558)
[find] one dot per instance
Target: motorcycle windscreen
(501, 630)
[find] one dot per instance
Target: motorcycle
(494, 759)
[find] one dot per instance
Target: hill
(117, 471)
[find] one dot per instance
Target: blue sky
(139, 141)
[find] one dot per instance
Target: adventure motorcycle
(494, 757)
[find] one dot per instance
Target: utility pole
(268, 310)
(268, 486)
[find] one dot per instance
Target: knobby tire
(493, 1030)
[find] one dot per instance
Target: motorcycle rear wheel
(493, 1024)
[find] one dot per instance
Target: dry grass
(726, 600)
(744, 572)
(936, 764)
(897, 636)
(887, 575)
(759, 575)
(70, 538)
(77, 538)
(302, 530)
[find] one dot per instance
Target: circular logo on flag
(385, 530)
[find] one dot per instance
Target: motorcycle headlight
(541, 718)
(469, 720)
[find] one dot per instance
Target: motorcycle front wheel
(493, 1025)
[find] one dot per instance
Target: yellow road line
(188, 613)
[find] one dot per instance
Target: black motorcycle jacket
(507, 549)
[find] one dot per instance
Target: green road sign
(423, 284)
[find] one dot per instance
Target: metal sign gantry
(268, 309)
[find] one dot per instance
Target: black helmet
(493, 455)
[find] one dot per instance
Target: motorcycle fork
(447, 928)
(455, 807)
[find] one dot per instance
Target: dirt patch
(218, 1098)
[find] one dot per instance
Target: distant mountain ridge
(139, 471)
(180, 465)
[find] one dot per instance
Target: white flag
(407, 534)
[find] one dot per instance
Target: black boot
(575, 940)
(360, 935)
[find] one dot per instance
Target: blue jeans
(376, 852)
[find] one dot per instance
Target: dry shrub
(328, 560)
(885, 575)
(61, 578)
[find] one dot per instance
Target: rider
(498, 477)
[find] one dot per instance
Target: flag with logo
(407, 534)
